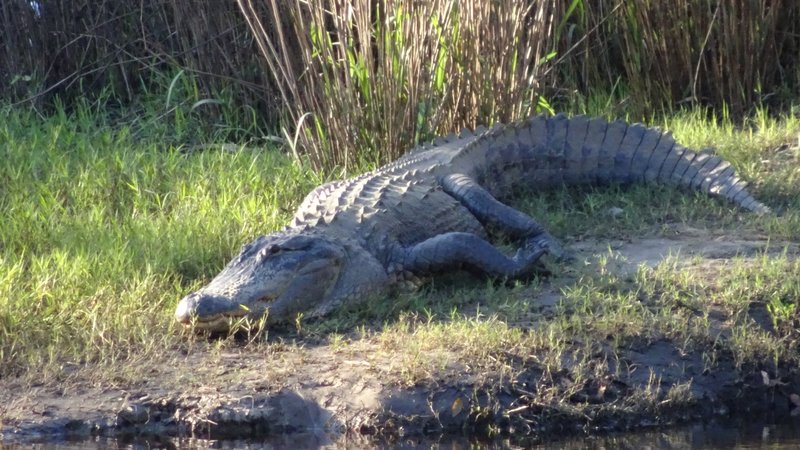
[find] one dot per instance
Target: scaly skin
(428, 211)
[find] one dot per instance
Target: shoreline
(361, 384)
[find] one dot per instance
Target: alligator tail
(555, 150)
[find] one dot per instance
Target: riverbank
(365, 383)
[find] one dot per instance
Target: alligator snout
(187, 308)
(207, 311)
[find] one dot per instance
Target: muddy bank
(360, 404)
(322, 390)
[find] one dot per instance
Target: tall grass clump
(364, 80)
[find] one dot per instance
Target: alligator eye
(265, 253)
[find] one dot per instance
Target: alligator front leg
(489, 211)
(455, 249)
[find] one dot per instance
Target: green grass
(103, 231)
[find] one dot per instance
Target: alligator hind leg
(489, 211)
(454, 249)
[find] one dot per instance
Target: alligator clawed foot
(552, 247)
(567, 257)
(564, 256)
(529, 254)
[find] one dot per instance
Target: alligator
(433, 210)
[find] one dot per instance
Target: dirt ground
(322, 390)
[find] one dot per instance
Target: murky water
(709, 436)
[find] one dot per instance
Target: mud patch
(685, 244)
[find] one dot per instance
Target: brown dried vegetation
(361, 80)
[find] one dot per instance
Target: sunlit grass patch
(103, 233)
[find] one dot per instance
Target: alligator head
(279, 275)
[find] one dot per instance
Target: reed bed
(362, 80)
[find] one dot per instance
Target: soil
(320, 391)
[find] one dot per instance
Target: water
(708, 436)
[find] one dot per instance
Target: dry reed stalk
(723, 52)
(378, 76)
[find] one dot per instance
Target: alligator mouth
(225, 319)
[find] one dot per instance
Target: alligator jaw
(215, 313)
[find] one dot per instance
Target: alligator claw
(552, 246)
(529, 254)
